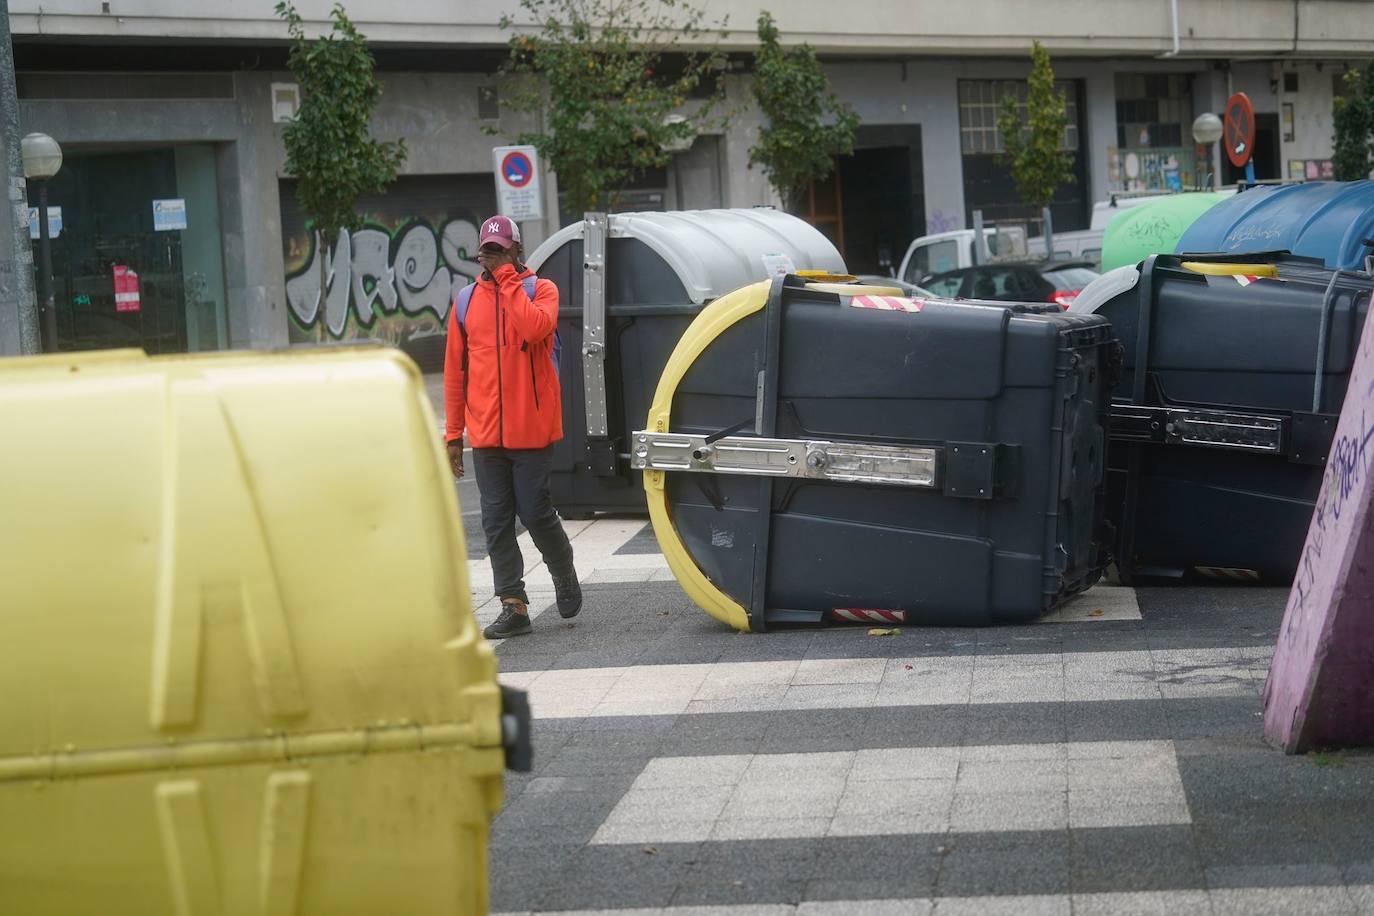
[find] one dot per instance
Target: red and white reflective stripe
(1245, 280)
(1227, 573)
(862, 615)
(126, 297)
(887, 303)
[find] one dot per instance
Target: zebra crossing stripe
(858, 683)
(938, 790)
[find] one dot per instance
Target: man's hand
(455, 457)
(492, 257)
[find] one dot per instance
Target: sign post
(517, 182)
(1239, 133)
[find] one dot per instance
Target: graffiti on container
(1153, 231)
(1346, 467)
(1262, 232)
(380, 283)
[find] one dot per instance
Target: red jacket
(499, 376)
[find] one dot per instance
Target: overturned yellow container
(239, 666)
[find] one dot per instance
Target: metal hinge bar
(1200, 427)
(849, 462)
(596, 227)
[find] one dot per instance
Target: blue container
(1320, 219)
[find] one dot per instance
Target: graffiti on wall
(394, 279)
(383, 284)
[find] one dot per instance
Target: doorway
(873, 204)
(139, 259)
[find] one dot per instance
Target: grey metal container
(629, 284)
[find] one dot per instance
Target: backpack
(465, 299)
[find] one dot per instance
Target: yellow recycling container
(239, 666)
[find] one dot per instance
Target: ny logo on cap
(502, 227)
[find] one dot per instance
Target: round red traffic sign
(516, 169)
(1239, 129)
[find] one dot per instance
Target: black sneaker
(568, 594)
(514, 620)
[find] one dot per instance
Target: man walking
(501, 382)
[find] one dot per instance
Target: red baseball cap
(500, 230)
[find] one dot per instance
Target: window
(946, 285)
(1154, 110)
(1067, 278)
(935, 258)
(980, 101)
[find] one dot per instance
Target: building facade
(170, 106)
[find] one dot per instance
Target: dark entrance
(107, 200)
(874, 204)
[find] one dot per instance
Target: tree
(1034, 145)
(608, 76)
(807, 126)
(329, 147)
(1353, 119)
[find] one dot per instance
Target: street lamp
(42, 160)
(1207, 130)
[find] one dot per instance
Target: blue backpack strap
(461, 305)
(460, 309)
(556, 352)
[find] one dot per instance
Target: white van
(933, 254)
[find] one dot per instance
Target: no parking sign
(517, 182)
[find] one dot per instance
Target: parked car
(1024, 281)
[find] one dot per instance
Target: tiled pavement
(1109, 761)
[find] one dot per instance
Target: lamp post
(1207, 130)
(42, 160)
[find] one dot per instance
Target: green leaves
(329, 146)
(1353, 118)
(1034, 145)
(606, 74)
(807, 126)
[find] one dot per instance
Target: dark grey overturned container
(1004, 408)
(1225, 410)
(629, 285)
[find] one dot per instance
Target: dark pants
(516, 482)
